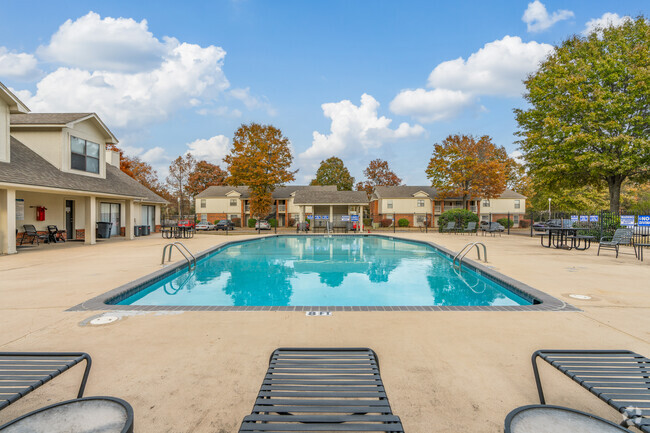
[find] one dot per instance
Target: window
(486, 203)
(204, 218)
(232, 217)
(517, 204)
(233, 202)
(389, 204)
(84, 155)
(420, 203)
(203, 203)
(515, 219)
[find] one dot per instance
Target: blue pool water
(325, 271)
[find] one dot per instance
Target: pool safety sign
(321, 217)
(627, 220)
(574, 218)
(345, 217)
(355, 218)
(584, 218)
(593, 218)
(20, 209)
(644, 220)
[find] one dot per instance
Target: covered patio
(337, 207)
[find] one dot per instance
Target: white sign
(584, 218)
(345, 217)
(318, 313)
(574, 218)
(20, 209)
(627, 220)
(593, 218)
(325, 217)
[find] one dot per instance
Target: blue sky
(354, 79)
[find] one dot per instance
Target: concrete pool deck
(200, 371)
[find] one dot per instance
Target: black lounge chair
(450, 227)
(54, 234)
(621, 237)
(471, 227)
(618, 377)
(30, 231)
(322, 389)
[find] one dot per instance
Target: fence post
(532, 217)
(601, 223)
(394, 223)
(426, 223)
(508, 222)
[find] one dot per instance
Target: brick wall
(212, 217)
(157, 229)
(80, 234)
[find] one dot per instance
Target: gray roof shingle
(330, 197)
(46, 118)
(28, 168)
(404, 191)
(282, 192)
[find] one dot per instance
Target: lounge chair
(30, 231)
(621, 237)
(618, 377)
(54, 234)
(471, 227)
(450, 227)
(322, 389)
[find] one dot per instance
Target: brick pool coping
(541, 301)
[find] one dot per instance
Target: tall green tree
(589, 116)
(260, 159)
(463, 166)
(332, 171)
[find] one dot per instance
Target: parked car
(262, 225)
(186, 223)
(492, 226)
(225, 225)
(205, 226)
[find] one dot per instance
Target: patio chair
(322, 389)
(450, 227)
(618, 377)
(621, 237)
(30, 231)
(471, 227)
(54, 234)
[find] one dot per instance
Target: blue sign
(325, 217)
(316, 217)
(627, 220)
(584, 218)
(644, 220)
(345, 217)
(355, 218)
(593, 218)
(574, 218)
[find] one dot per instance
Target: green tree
(332, 171)
(260, 159)
(378, 174)
(462, 166)
(589, 115)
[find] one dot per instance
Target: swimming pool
(370, 271)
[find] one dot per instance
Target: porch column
(302, 213)
(129, 220)
(7, 221)
(331, 213)
(90, 234)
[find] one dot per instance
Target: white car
(205, 226)
(262, 225)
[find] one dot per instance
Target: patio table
(561, 234)
(557, 419)
(641, 246)
(23, 372)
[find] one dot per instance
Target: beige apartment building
(55, 170)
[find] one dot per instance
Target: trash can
(147, 230)
(137, 231)
(104, 229)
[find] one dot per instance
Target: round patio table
(82, 415)
(542, 418)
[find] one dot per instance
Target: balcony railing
(282, 208)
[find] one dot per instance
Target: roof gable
(15, 104)
(60, 120)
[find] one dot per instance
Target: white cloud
(20, 66)
(537, 18)
(431, 105)
(518, 156)
(212, 149)
(356, 128)
(608, 19)
(496, 69)
(108, 44)
(251, 102)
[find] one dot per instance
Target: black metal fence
(598, 224)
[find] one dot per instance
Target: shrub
(273, 222)
(524, 223)
(386, 222)
(292, 222)
(460, 216)
(251, 223)
(367, 222)
(403, 222)
(236, 222)
(505, 222)
(216, 222)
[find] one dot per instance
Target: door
(149, 215)
(110, 213)
(69, 219)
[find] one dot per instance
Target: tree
(332, 171)
(589, 116)
(462, 166)
(204, 175)
(260, 159)
(178, 179)
(141, 171)
(378, 174)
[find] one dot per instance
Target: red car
(186, 223)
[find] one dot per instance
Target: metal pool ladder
(182, 249)
(466, 249)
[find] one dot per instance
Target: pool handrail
(191, 263)
(465, 250)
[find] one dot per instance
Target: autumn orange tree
(378, 174)
(204, 175)
(462, 166)
(260, 159)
